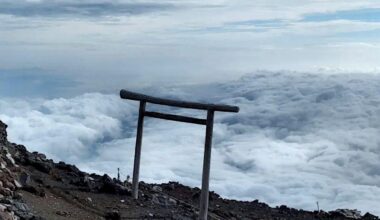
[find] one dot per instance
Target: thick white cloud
(299, 138)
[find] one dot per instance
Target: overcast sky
(64, 48)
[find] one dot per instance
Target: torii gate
(209, 122)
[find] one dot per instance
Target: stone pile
(11, 205)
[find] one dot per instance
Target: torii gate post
(209, 122)
(203, 207)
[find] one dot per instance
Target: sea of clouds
(298, 139)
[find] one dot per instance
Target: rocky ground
(34, 187)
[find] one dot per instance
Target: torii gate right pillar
(206, 166)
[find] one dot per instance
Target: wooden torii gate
(209, 122)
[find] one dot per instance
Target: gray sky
(61, 48)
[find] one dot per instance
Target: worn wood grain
(176, 103)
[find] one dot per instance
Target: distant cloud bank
(299, 138)
(46, 8)
(103, 44)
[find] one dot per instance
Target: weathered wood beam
(175, 118)
(203, 207)
(139, 135)
(176, 103)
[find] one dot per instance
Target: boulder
(3, 133)
(163, 200)
(107, 185)
(112, 215)
(347, 213)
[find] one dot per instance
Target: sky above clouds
(107, 45)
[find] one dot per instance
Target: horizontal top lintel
(176, 103)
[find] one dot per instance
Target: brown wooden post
(203, 209)
(136, 167)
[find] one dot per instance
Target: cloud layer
(299, 138)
